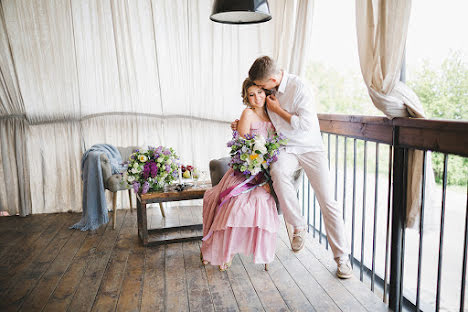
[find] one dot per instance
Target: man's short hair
(262, 69)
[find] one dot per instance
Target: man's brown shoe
(298, 240)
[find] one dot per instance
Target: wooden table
(150, 236)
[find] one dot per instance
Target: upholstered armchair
(114, 182)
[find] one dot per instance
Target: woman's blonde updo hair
(245, 87)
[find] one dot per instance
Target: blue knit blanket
(94, 199)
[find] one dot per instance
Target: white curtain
(123, 72)
(382, 28)
(293, 30)
(15, 195)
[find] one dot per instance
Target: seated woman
(246, 223)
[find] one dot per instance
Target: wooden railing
(401, 134)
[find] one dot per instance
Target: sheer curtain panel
(382, 28)
(150, 72)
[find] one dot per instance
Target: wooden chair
(114, 182)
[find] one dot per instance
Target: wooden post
(400, 173)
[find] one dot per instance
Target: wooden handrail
(446, 136)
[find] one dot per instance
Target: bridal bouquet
(253, 154)
(151, 169)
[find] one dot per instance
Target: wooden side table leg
(142, 221)
(162, 210)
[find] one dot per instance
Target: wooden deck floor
(44, 266)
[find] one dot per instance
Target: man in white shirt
(296, 118)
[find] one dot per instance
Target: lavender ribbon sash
(233, 191)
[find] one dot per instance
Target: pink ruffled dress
(245, 224)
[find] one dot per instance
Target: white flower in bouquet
(130, 178)
(142, 158)
(135, 170)
(259, 144)
(160, 159)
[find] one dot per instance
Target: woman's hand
(266, 187)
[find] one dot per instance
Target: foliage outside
(442, 90)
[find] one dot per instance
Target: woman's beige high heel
(204, 262)
(225, 266)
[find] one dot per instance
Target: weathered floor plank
(86, 291)
(111, 283)
(25, 281)
(154, 286)
(63, 293)
(51, 268)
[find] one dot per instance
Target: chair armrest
(218, 167)
(106, 169)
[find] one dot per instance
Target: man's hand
(266, 187)
(273, 104)
(234, 125)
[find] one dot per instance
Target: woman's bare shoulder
(247, 114)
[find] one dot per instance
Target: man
(296, 118)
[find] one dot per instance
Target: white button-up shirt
(303, 132)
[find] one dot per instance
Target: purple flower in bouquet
(154, 169)
(136, 186)
(145, 188)
(167, 152)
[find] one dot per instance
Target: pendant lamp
(240, 11)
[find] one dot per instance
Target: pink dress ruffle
(245, 224)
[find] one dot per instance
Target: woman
(246, 223)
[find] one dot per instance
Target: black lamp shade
(240, 11)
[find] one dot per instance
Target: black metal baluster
(363, 223)
(336, 168)
(374, 238)
(329, 161)
(465, 255)
(344, 180)
(315, 229)
(303, 198)
(354, 204)
(421, 232)
(308, 203)
(441, 238)
(389, 207)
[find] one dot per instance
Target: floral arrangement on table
(253, 154)
(151, 169)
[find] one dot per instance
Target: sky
(436, 27)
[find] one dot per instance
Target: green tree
(340, 92)
(443, 93)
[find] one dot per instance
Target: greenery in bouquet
(151, 169)
(253, 154)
